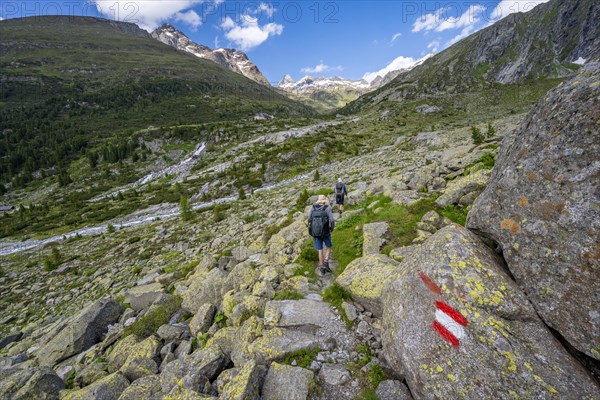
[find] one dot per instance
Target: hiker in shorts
(340, 194)
(320, 226)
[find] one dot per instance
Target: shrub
(302, 199)
(488, 160)
(368, 394)
(110, 228)
(220, 318)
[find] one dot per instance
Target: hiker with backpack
(320, 226)
(340, 194)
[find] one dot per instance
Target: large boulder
(79, 332)
(365, 277)
(462, 186)
(208, 287)
(147, 388)
(284, 246)
(284, 382)
(457, 326)
(109, 388)
(542, 207)
(25, 384)
(246, 384)
(203, 319)
(195, 370)
(373, 237)
(140, 297)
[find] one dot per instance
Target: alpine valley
(154, 196)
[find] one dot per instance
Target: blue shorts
(319, 242)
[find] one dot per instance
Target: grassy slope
(70, 83)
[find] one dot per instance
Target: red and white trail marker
(449, 323)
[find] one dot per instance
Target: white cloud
(468, 18)
(249, 33)
(507, 7)
(267, 8)
(434, 46)
(190, 18)
(440, 20)
(395, 36)
(146, 13)
(227, 23)
(428, 22)
(320, 68)
(397, 64)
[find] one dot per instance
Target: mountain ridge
(232, 59)
(542, 43)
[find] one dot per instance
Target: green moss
(288, 295)
(70, 379)
(152, 320)
(303, 358)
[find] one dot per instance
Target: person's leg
(328, 246)
(319, 248)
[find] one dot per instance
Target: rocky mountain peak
(286, 80)
(232, 59)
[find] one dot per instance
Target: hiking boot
(322, 270)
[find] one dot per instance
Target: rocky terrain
(232, 59)
(464, 265)
(229, 305)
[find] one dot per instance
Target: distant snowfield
(580, 61)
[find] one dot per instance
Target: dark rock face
(79, 332)
(25, 384)
(542, 208)
(459, 327)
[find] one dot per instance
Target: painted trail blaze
(448, 322)
(429, 283)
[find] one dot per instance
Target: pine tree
(317, 176)
(476, 135)
(491, 132)
(184, 208)
(242, 194)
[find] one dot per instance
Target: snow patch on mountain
(234, 60)
(398, 64)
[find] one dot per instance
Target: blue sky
(325, 38)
